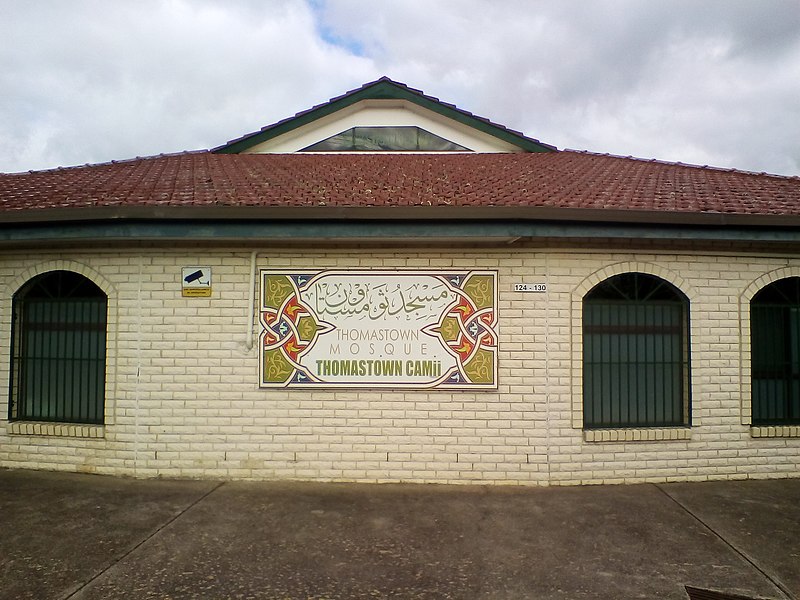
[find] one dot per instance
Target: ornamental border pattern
(459, 320)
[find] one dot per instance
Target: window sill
(775, 431)
(56, 429)
(649, 434)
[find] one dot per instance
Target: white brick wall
(183, 397)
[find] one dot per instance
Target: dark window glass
(385, 139)
(58, 350)
(775, 353)
(635, 353)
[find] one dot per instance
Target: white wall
(183, 397)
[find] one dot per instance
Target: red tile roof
(556, 180)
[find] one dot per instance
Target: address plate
(537, 288)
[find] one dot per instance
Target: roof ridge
(108, 162)
(658, 161)
(565, 150)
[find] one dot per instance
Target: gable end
(384, 89)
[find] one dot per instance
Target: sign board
(196, 282)
(378, 329)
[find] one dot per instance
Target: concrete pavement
(71, 536)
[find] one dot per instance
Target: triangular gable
(383, 103)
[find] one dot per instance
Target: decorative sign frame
(378, 329)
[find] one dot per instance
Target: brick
(195, 403)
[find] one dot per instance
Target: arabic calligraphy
(377, 301)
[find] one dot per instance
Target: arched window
(635, 353)
(58, 354)
(775, 352)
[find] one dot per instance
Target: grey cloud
(713, 81)
(92, 83)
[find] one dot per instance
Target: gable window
(775, 351)
(635, 353)
(385, 139)
(58, 353)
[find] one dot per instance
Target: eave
(399, 215)
(387, 225)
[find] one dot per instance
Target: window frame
(784, 303)
(633, 309)
(72, 339)
(384, 138)
(625, 430)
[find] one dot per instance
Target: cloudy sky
(705, 82)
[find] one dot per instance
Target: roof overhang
(395, 214)
(379, 225)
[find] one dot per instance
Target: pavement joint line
(749, 559)
(147, 538)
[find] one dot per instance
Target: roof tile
(565, 179)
